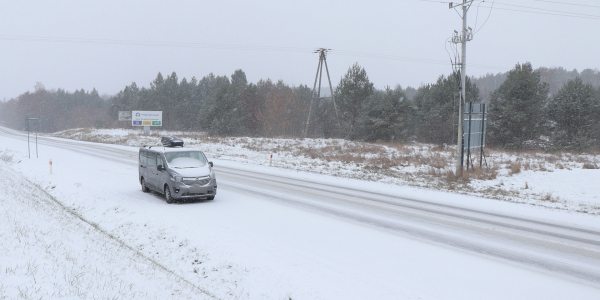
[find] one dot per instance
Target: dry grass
(548, 197)
(482, 173)
(6, 157)
(514, 168)
(589, 166)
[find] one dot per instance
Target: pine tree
(574, 114)
(222, 113)
(436, 109)
(516, 108)
(351, 94)
(387, 116)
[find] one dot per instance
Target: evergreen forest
(551, 109)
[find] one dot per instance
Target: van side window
(152, 160)
(159, 161)
(143, 158)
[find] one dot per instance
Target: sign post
(37, 120)
(146, 119)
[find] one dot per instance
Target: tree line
(555, 77)
(57, 110)
(522, 111)
(523, 114)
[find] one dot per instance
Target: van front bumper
(183, 191)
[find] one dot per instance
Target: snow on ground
(233, 247)
(48, 253)
(555, 180)
(241, 246)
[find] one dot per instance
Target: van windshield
(183, 160)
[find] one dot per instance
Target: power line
(550, 10)
(559, 13)
(564, 3)
(485, 19)
(228, 47)
(566, 14)
(477, 14)
(151, 43)
(403, 58)
(450, 56)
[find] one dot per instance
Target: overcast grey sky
(410, 29)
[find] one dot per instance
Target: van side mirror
(210, 163)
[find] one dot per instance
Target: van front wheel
(168, 196)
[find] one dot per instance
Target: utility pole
(322, 60)
(463, 37)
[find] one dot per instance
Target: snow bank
(47, 252)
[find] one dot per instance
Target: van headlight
(176, 177)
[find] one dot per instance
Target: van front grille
(196, 181)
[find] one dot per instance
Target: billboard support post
(28, 151)
(482, 136)
(469, 134)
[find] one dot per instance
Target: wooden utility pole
(322, 60)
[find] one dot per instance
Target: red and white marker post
(51, 166)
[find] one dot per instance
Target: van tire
(168, 196)
(145, 188)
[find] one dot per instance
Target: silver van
(178, 173)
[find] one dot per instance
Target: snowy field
(555, 180)
(54, 254)
(86, 231)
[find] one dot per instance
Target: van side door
(142, 165)
(144, 170)
(151, 178)
(162, 175)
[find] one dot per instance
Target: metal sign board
(125, 115)
(474, 128)
(146, 118)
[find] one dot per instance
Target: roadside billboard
(146, 118)
(125, 115)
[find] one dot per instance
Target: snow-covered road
(278, 234)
